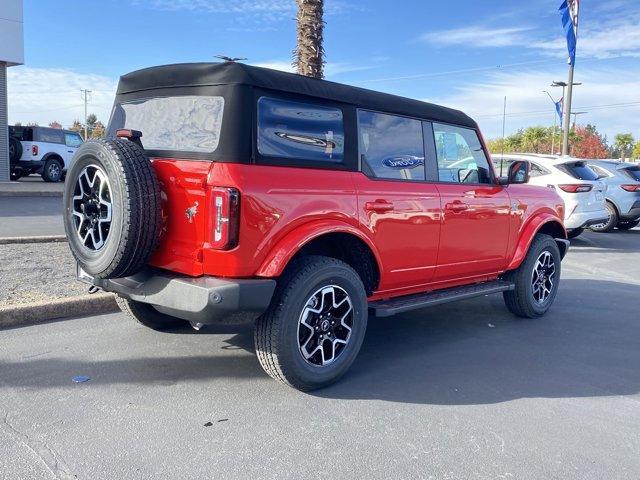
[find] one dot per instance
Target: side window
(460, 155)
(50, 135)
(537, 171)
(72, 140)
(601, 172)
(299, 130)
(390, 146)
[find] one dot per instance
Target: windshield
(181, 123)
(578, 170)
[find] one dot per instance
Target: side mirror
(518, 173)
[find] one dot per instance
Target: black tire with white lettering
(112, 207)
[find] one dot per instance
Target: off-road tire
(576, 232)
(15, 150)
(611, 222)
(136, 209)
(146, 315)
(52, 170)
(276, 331)
(628, 225)
(520, 301)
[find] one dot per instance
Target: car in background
(575, 182)
(46, 151)
(622, 195)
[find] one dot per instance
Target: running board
(386, 308)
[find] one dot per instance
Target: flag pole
(568, 97)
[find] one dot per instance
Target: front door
(476, 210)
(397, 206)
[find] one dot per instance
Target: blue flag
(559, 108)
(568, 24)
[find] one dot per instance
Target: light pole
(566, 116)
(553, 134)
(575, 115)
(572, 15)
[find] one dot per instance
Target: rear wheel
(628, 225)
(313, 329)
(611, 222)
(15, 150)
(15, 176)
(52, 170)
(146, 315)
(536, 280)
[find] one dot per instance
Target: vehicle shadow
(475, 353)
(472, 352)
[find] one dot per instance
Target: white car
(575, 182)
(47, 151)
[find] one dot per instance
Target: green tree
(535, 139)
(308, 57)
(636, 151)
(623, 143)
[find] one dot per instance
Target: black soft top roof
(231, 73)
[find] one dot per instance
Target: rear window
(633, 172)
(187, 123)
(578, 170)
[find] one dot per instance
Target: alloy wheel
(92, 207)
(543, 277)
(325, 325)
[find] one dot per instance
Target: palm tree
(308, 57)
(623, 142)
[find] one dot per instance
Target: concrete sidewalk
(31, 187)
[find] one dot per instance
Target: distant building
(11, 53)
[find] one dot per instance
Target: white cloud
(43, 95)
(477, 36)
(528, 105)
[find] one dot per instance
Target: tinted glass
(299, 130)
(49, 135)
(537, 170)
(73, 139)
(460, 155)
(578, 170)
(181, 124)
(390, 146)
(633, 172)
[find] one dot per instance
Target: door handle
(379, 206)
(456, 207)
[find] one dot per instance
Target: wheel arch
(333, 239)
(544, 223)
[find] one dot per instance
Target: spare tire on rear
(112, 207)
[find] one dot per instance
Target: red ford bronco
(227, 192)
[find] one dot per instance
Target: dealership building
(11, 53)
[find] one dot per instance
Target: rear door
(476, 211)
(398, 203)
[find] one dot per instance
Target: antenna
(229, 59)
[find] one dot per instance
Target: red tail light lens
(225, 216)
(632, 188)
(34, 150)
(576, 187)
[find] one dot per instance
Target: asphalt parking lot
(458, 391)
(27, 216)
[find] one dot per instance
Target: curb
(34, 239)
(39, 312)
(23, 193)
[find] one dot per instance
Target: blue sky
(466, 54)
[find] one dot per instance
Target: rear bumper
(633, 213)
(586, 219)
(204, 300)
(31, 166)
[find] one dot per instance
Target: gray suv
(622, 195)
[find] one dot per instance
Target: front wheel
(314, 328)
(536, 280)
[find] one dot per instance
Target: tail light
(576, 187)
(34, 150)
(632, 188)
(225, 218)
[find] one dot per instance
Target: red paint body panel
(423, 235)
